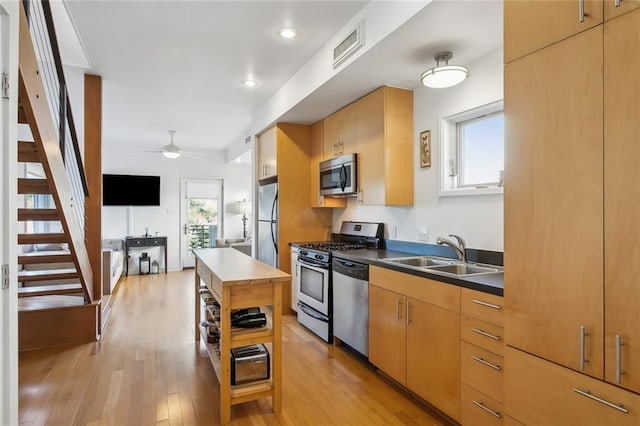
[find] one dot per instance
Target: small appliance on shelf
(249, 364)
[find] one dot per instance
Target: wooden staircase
(56, 304)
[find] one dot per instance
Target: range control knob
(319, 256)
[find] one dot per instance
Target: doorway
(201, 216)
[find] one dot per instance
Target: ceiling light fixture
(171, 151)
(250, 83)
(445, 75)
(288, 32)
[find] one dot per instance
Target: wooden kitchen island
(238, 281)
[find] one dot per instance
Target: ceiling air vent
(348, 45)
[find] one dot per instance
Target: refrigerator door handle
(273, 236)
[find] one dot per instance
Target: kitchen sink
(443, 266)
(464, 269)
(419, 261)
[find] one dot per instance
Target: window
(473, 151)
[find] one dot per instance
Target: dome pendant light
(445, 75)
(171, 150)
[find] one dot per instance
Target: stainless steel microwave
(338, 176)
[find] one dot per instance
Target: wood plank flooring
(148, 369)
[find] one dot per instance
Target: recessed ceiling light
(250, 83)
(288, 32)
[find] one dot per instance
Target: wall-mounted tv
(130, 190)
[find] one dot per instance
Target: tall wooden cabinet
(414, 335)
(622, 199)
(553, 202)
(572, 196)
(297, 221)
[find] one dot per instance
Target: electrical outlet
(423, 234)
(394, 231)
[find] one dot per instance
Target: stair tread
(22, 274)
(38, 215)
(28, 153)
(36, 303)
(47, 274)
(56, 237)
(33, 186)
(41, 257)
(46, 253)
(42, 290)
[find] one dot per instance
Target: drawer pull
(487, 304)
(587, 393)
(616, 3)
(496, 414)
(487, 363)
(484, 333)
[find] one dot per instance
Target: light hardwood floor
(148, 369)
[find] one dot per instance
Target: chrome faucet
(459, 247)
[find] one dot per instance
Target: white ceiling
(179, 65)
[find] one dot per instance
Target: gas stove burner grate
(327, 246)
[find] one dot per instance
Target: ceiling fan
(173, 151)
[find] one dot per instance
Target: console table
(135, 242)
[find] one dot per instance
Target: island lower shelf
(237, 281)
(239, 393)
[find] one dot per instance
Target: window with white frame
(473, 151)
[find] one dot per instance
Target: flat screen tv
(130, 190)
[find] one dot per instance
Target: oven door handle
(313, 314)
(313, 264)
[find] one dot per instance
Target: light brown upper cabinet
(267, 163)
(622, 199)
(614, 8)
(532, 25)
(379, 129)
(341, 132)
(385, 147)
(316, 155)
(554, 202)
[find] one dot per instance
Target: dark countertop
(489, 283)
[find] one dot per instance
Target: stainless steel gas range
(315, 284)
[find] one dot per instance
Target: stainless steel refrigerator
(268, 224)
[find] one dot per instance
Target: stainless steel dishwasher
(351, 303)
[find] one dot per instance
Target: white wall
(166, 219)
(478, 219)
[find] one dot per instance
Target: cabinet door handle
(408, 313)
(588, 394)
(581, 10)
(616, 3)
(582, 336)
(619, 370)
(495, 414)
(484, 333)
(487, 363)
(487, 304)
(397, 307)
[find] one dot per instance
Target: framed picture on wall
(425, 148)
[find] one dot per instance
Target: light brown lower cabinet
(539, 392)
(477, 409)
(414, 335)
